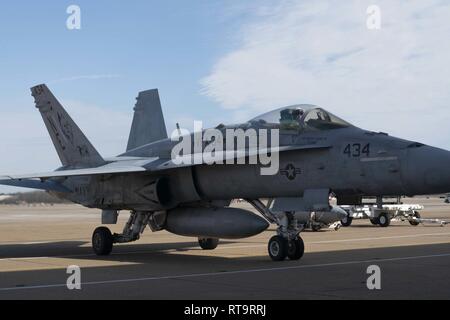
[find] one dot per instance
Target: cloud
(396, 79)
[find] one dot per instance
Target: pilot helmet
(297, 114)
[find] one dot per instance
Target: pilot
(298, 114)
(291, 119)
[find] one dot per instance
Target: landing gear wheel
(415, 223)
(316, 228)
(102, 241)
(384, 221)
(374, 221)
(347, 221)
(208, 244)
(278, 248)
(296, 249)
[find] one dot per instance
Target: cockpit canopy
(300, 117)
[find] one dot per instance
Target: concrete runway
(37, 244)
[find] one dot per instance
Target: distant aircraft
(319, 154)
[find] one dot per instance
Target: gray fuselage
(354, 162)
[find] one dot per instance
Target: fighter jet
(318, 154)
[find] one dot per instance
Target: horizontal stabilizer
(36, 184)
(78, 172)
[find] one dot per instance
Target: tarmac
(38, 244)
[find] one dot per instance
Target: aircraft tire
(278, 248)
(296, 249)
(208, 243)
(413, 222)
(316, 228)
(374, 221)
(102, 241)
(384, 221)
(347, 222)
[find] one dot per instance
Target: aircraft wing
(40, 181)
(142, 165)
(189, 160)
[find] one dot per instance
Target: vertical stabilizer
(148, 122)
(73, 148)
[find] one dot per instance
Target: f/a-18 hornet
(316, 154)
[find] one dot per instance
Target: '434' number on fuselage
(357, 150)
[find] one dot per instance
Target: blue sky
(97, 72)
(217, 60)
(142, 44)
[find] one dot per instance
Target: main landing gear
(287, 243)
(103, 240)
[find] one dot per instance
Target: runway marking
(225, 247)
(212, 274)
(15, 243)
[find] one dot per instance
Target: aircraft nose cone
(428, 171)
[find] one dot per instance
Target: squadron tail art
(318, 153)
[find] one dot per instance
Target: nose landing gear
(278, 248)
(287, 243)
(281, 248)
(296, 249)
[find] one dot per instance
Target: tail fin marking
(72, 146)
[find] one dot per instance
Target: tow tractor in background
(382, 211)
